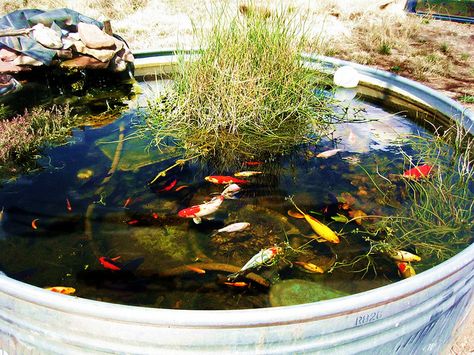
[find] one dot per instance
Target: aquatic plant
(22, 136)
(246, 91)
(436, 218)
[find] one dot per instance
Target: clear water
(127, 217)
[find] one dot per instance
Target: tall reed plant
(246, 91)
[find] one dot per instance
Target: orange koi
(68, 205)
(33, 223)
(236, 284)
(253, 163)
(127, 202)
(110, 263)
(196, 269)
(155, 215)
(418, 172)
(61, 289)
(169, 186)
(179, 188)
(224, 180)
(295, 214)
(132, 222)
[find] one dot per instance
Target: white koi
(230, 191)
(402, 255)
(247, 173)
(234, 227)
(261, 258)
(328, 153)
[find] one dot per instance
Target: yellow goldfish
(310, 267)
(319, 228)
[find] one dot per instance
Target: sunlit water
(81, 213)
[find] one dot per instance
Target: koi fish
(402, 255)
(198, 211)
(328, 153)
(319, 228)
(236, 284)
(234, 227)
(169, 187)
(68, 205)
(247, 173)
(405, 269)
(61, 289)
(111, 263)
(127, 202)
(417, 172)
(2, 218)
(253, 163)
(196, 269)
(132, 222)
(230, 191)
(295, 214)
(179, 188)
(33, 223)
(155, 215)
(224, 180)
(310, 267)
(263, 257)
(358, 216)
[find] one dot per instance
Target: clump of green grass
(22, 136)
(247, 91)
(469, 99)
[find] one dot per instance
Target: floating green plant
(247, 91)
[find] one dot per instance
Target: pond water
(79, 206)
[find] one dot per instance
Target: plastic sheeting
(61, 20)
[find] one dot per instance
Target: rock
(9, 67)
(7, 55)
(47, 37)
(26, 60)
(292, 292)
(84, 62)
(346, 77)
(65, 54)
(93, 37)
(104, 55)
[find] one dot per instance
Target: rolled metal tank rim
(272, 316)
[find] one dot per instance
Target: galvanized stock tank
(417, 315)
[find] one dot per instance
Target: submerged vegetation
(22, 135)
(435, 218)
(246, 91)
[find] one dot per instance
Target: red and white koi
(247, 173)
(328, 153)
(402, 255)
(230, 191)
(234, 227)
(224, 180)
(421, 171)
(405, 269)
(127, 202)
(205, 209)
(34, 223)
(68, 205)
